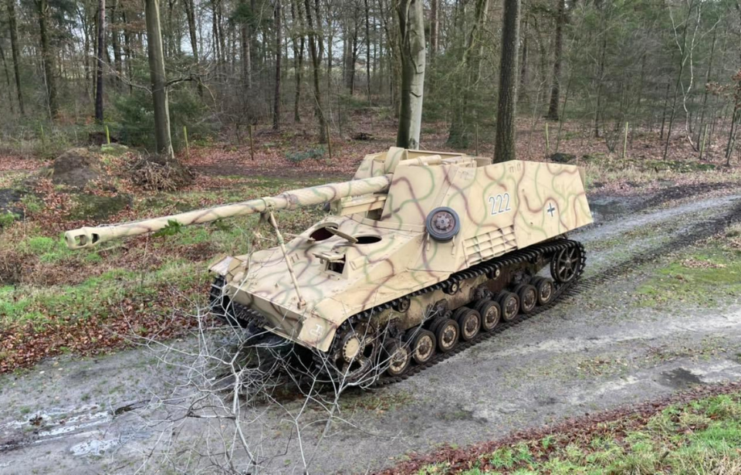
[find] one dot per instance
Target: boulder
(76, 167)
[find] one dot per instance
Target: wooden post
(329, 143)
(547, 142)
(252, 143)
(477, 140)
(625, 141)
(187, 145)
(107, 135)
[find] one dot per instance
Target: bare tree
(163, 139)
(412, 34)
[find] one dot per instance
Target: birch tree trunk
(163, 140)
(504, 147)
(412, 34)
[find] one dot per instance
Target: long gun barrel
(91, 236)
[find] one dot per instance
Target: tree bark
(190, 13)
(367, 50)
(504, 147)
(412, 35)
(298, 52)
(278, 54)
(523, 62)
(163, 140)
(116, 44)
(7, 79)
(316, 63)
(557, 57)
(434, 26)
(48, 59)
(16, 53)
(100, 62)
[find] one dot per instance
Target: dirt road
(599, 349)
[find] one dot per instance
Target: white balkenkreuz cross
(551, 209)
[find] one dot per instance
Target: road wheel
(398, 356)
(490, 313)
(422, 343)
(528, 298)
(469, 322)
(510, 305)
(545, 288)
(447, 334)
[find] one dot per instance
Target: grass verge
(694, 432)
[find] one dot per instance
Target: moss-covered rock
(99, 207)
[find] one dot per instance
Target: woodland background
(610, 68)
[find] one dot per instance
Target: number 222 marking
(502, 208)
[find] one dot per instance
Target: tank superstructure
(424, 248)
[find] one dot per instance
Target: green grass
(699, 437)
(706, 277)
(176, 261)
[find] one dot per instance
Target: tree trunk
(191, 16)
(600, 77)
(434, 26)
(316, 63)
(298, 52)
(99, 67)
(7, 80)
(707, 81)
(48, 59)
(523, 62)
(557, 57)
(504, 147)
(116, 44)
(128, 52)
(278, 54)
(163, 140)
(367, 50)
(677, 85)
(412, 34)
(16, 54)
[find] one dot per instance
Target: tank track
(489, 268)
(244, 316)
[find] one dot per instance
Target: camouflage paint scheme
(502, 207)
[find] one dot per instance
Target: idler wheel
(545, 288)
(398, 355)
(469, 323)
(510, 305)
(422, 343)
(490, 313)
(528, 298)
(447, 334)
(565, 264)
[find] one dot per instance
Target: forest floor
(658, 312)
